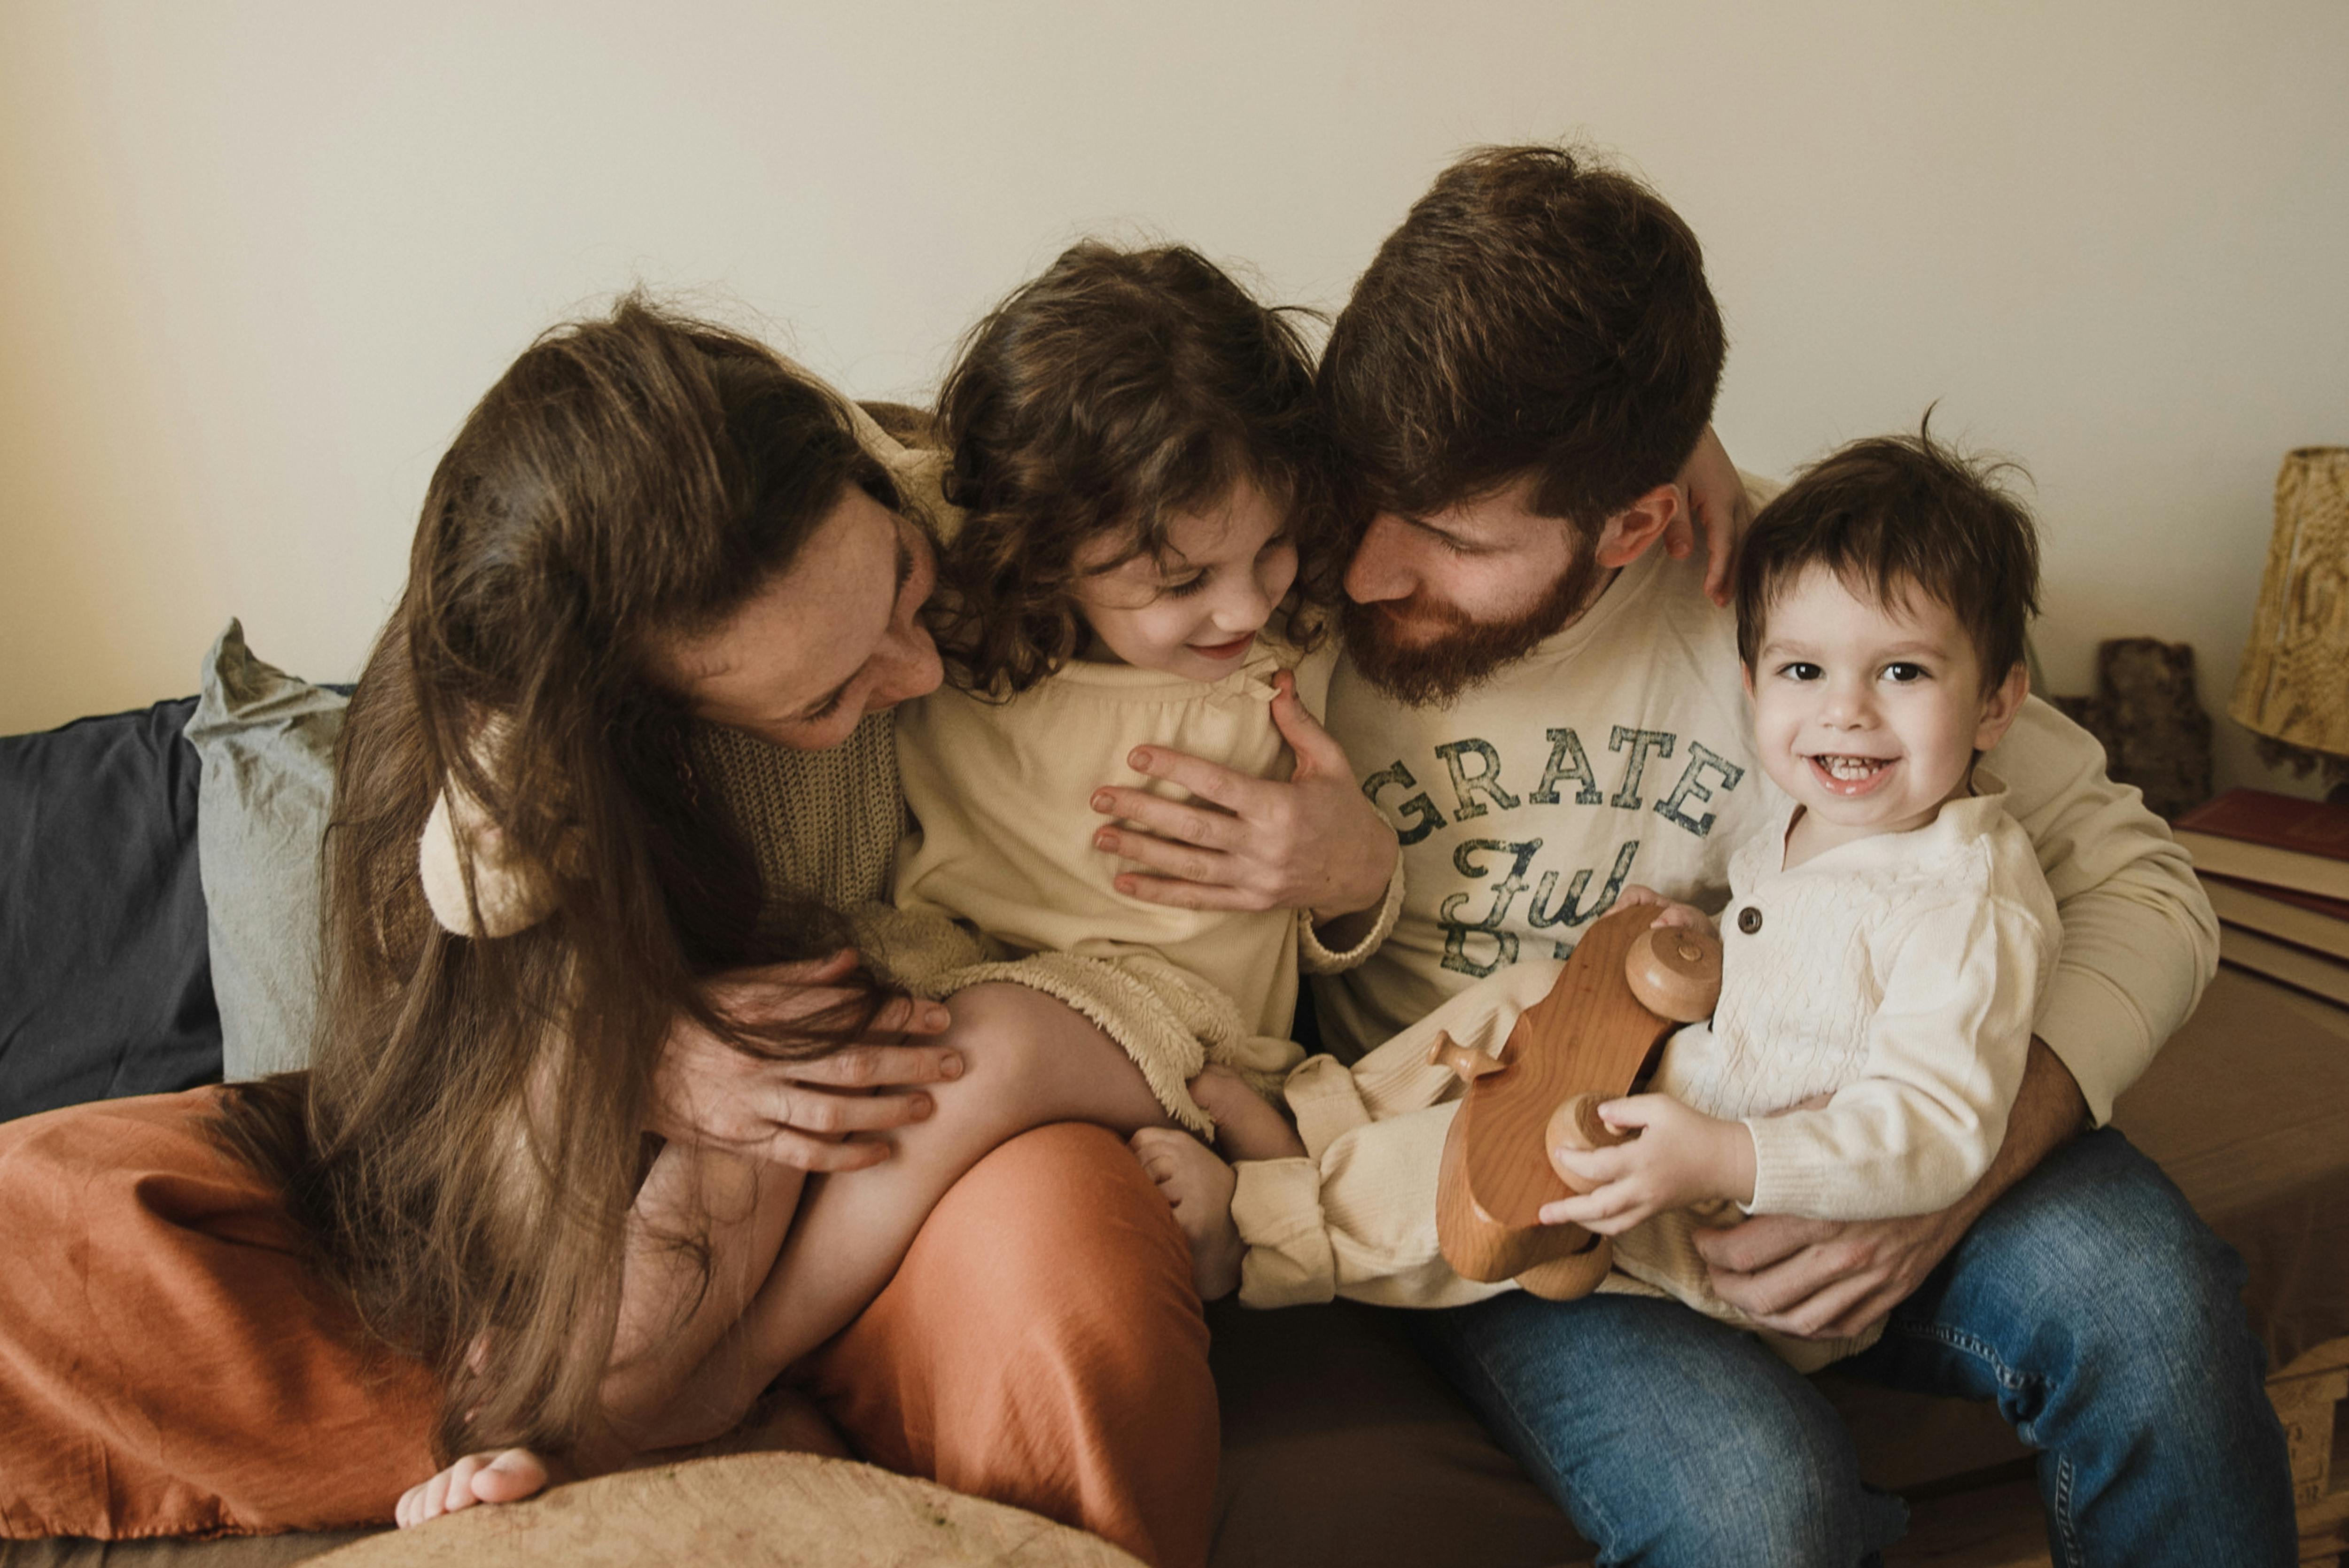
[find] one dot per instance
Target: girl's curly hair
(1116, 392)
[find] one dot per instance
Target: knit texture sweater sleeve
(2139, 939)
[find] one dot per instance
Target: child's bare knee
(1003, 1032)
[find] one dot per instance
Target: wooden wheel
(1590, 1035)
(1675, 973)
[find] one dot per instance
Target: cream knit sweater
(1897, 974)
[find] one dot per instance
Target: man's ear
(1631, 531)
(2000, 705)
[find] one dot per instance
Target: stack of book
(2277, 870)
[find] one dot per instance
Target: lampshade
(2293, 688)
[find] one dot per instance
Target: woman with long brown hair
(662, 594)
(1145, 556)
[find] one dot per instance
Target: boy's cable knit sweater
(1896, 973)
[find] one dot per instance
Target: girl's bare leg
(1031, 1060)
(1247, 1126)
(696, 1203)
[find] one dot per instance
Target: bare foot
(1247, 1126)
(1198, 1186)
(506, 1476)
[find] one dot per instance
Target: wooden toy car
(1596, 1035)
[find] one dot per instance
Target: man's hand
(817, 1115)
(1253, 843)
(1680, 1157)
(1827, 1279)
(1716, 498)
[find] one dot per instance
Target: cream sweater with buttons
(1897, 974)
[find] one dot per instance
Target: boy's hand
(1682, 916)
(1680, 1157)
(1199, 1187)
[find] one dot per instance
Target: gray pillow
(267, 741)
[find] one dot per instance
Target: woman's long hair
(468, 1141)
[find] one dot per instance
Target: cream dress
(1002, 848)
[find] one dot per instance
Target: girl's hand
(1680, 1157)
(1717, 498)
(817, 1114)
(1312, 842)
(1683, 916)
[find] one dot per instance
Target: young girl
(1144, 556)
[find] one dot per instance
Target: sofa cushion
(102, 932)
(2247, 1109)
(1341, 1445)
(267, 740)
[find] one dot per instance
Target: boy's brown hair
(1537, 313)
(1894, 515)
(1117, 391)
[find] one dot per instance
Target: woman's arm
(702, 1238)
(1718, 498)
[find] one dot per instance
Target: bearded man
(1546, 706)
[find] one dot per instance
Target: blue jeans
(2090, 1302)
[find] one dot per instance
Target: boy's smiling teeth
(1850, 766)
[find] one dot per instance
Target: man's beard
(1433, 671)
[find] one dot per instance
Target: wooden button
(1749, 919)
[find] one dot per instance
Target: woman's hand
(1312, 842)
(816, 1115)
(1716, 498)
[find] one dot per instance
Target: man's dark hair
(1537, 313)
(1894, 515)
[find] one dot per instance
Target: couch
(1341, 1446)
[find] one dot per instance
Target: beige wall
(258, 258)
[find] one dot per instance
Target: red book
(2302, 845)
(2282, 822)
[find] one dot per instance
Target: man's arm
(1823, 1279)
(2139, 939)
